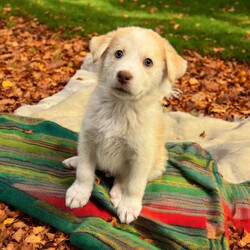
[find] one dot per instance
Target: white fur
(123, 128)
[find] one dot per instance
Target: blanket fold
(188, 207)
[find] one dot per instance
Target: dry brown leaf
(193, 81)
(50, 236)
(218, 49)
(33, 239)
(38, 230)
(19, 234)
(176, 26)
(112, 221)
(19, 224)
(203, 134)
(3, 215)
(245, 239)
(60, 237)
(11, 246)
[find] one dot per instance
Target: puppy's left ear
(176, 65)
(99, 44)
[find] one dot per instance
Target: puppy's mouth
(121, 91)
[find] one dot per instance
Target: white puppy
(123, 127)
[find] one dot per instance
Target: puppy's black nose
(124, 76)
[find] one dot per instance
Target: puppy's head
(135, 61)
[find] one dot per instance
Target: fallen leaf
(29, 132)
(203, 134)
(11, 246)
(19, 234)
(232, 9)
(19, 224)
(245, 239)
(176, 26)
(50, 236)
(152, 10)
(112, 221)
(193, 81)
(79, 79)
(2, 215)
(8, 221)
(218, 49)
(145, 239)
(7, 84)
(37, 230)
(33, 239)
(56, 64)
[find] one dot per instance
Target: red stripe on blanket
(227, 215)
(176, 219)
(91, 209)
(241, 218)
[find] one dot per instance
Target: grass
(204, 26)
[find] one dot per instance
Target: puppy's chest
(113, 144)
(112, 152)
(120, 124)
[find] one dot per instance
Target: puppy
(123, 128)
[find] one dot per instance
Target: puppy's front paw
(78, 195)
(129, 209)
(116, 195)
(71, 163)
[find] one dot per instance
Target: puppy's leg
(116, 191)
(71, 163)
(130, 205)
(79, 193)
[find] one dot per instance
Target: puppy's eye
(118, 53)
(148, 62)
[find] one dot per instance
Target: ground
(36, 62)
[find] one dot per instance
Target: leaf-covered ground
(36, 62)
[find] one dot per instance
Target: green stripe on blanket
(186, 208)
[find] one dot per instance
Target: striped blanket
(188, 207)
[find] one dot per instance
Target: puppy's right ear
(99, 44)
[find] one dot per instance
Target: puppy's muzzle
(124, 77)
